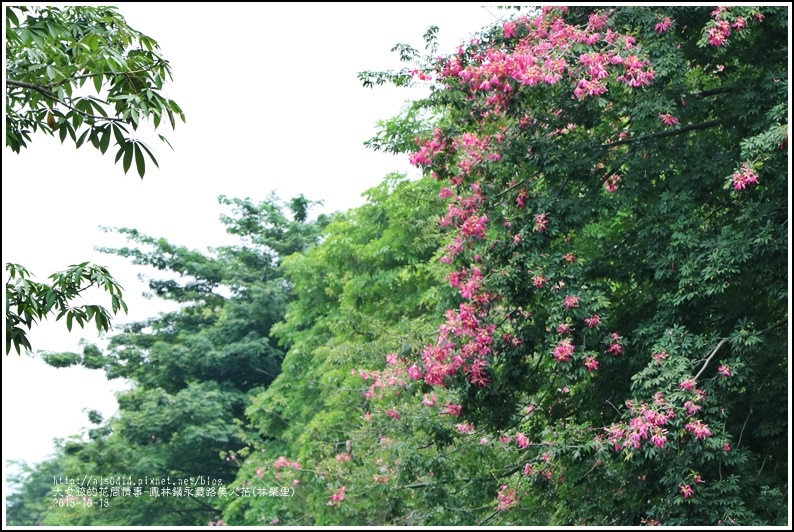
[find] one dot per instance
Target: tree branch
(662, 134)
(44, 90)
(706, 363)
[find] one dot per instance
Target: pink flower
(393, 414)
(564, 328)
(337, 497)
(391, 359)
(429, 400)
(687, 384)
(538, 281)
(523, 195)
(611, 184)
(506, 498)
(686, 490)
(660, 356)
(668, 119)
(445, 193)
(691, 408)
(593, 320)
(541, 222)
(521, 440)
(724, 370)
(563, 351)
(464, 428)
(591, 363)
(659, 438)
(719, 33)
(726, 447)
(743, 177)
(570, 302)
(414, 373)
(569, 258)
(452, 410)
(699, 429)
(664, 25)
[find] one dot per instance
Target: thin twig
(744, 425)
(706, 363)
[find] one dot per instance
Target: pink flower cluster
(544, 55)
(663, 26)
(668, 119)
(506, 498)
(446, 358)
(611, 183)
(541, 222)
(615, 347)
(699, 429)
(646, 425)
(593, 321)
(428, 150)
(283, 462)
(744, 176)
(464, 428)
(661, 356)
(466, 281)
(563, 351)
(718, 34)
(391, 376)
(337, 497)
(570, 302)
(452, 410)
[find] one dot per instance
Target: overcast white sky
(272, 103)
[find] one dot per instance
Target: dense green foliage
(29, 301)
(192, 374)
(54, 54)
(617, 193)
(594, 334)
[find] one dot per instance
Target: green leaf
(128, 149)
(82, 138)
(151, 156)
(104, 141)
(140, 163)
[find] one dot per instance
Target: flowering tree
(616, 183)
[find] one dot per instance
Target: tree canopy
(81, 72)
(616, 182)
(192, 372)
(578, 316)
